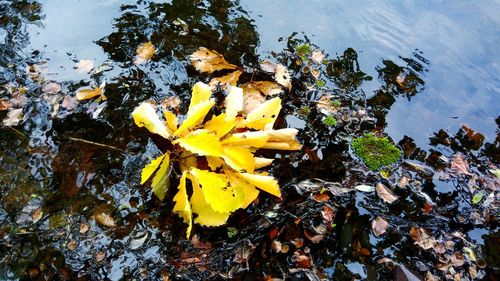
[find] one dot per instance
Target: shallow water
(448, 49)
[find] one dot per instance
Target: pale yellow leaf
(205, 60)
(182, 206)
(238, 158)
(218, 194)
(231, 78)
(150, 168)
(145, 116)
(144, 52)
(161, 180)
(234, 102)
(220, 125)
(206, 215)
(282, 135)
(171, 121)
(282, 76)
(265, 183)
(292, 145)
(251, 193)
(195, 116)
(201, 92)
(264, 116)
(251, 139)
(203, 143)
(261, 162)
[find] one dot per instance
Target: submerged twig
(96, 143)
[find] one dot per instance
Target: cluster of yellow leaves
(226, 143)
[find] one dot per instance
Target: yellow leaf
(234, 102)
(201, 92)
(144, 52)
(286, 135)
(292, 145)
(231, 78)
(205, 60)
(214, 162)
(182, 206)
(238, 158)
(282, 76)
(252, 98)
(262, 162)
(171, 121)
(251, 139)
(202, 143)
(266, 183)
(206, 215)
(145, 116)
(220, 124)
(265, 88)
(150, 168)
(86, 94)
(195, 116)
(263, 116)
(187, 160)
(218, 194)
(161, 180)
(251, 193)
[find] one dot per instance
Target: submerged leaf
(231, 79)
(145, 116)
(385, 193)
(84, 66)
(379, 226)
(205, 60)
(144, 52)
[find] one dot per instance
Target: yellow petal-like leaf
(261, 162)
(286, 135)
(231, 78)
(182, 206)
(86, 94)
(292, 145)
(203, 143)
(195, 116)
(220, 124)
(238, 158)
(201, 92)
(214, 162)
(266, 183)
(264, 116)
(250, 139)
(144, 52)
(150, 168)
(145, 116)
(171, 121)
(251, 193)
(161, 180)
(206, 215)
(218, 194)
(234, 102)
(205, 60)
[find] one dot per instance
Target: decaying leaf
(267, 66)
(422, 238)
(231, 79)
(104, 219)
(265, 88)
(379, 226)
(84, 66)
(144, 53)
(205, 60)
(460, 165)
(282, 76)
(327, 105)
(385, 193)
(52, 88)
(85, 94)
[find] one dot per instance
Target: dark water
(447, 51)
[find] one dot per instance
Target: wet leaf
(13, 118)
(404, 274)
(72, 245)
(195, 116)
(202, 143)
(251, 100)
(161, 180)
(100, 256)
(234, 102)
(365, 188)
(69, 103)
(267, 66)
(144, 53)
(104, 219)
(84, 66)
(327, 213)
(182, 206)
(327, 105)
(207, 216)
(4, 104)
(151, 168)
(496, 172)
(172, 102)
(379, 226)
(86, 94)
(265, 183)
(145, 116)
(263, 116)
(422, 238)
(459, 165)
(282, 76)
(36, 215)
(385, 193)
(52, 88)
(317, 56)
(477, 198)
(265, 88)
(231, 79)
(84, 227)
(205, 60)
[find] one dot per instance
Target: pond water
(63, 165)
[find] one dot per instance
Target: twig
(96, 143)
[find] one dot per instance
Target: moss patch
(375, 152)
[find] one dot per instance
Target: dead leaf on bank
(422, 238)
(459, 165)
(105, 219)
(231, 79)
(282, 76)
(385, 193)
(52, 88)
(379, 226)
(144, 53)
(84, 66)
(13, 118)
(205, 60)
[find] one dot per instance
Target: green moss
(320, 83)
(303, 51)
(330, 121)
(375, 152)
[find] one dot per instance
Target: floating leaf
(422, 238)
(385, 193)
(13, 117)
(220, 125)
(265, 88)
(477, 198)
(144, 52)
(263, 116)
(161, 180)
(205, 60)
(460, 165)
(206, 215)
(231, 79)
(151, 168)
(267, 66)
(262, 162)
(182, 206)
(104, 219)
(171, 121)
(145, 116)
(203, 143)
(52, 88)
(265, 183)
(250, 192)
(379, 226)
(282, 76)
(86, 94)
(201, 93)
(317, 56)
(195, 116)
(249, 139)
(234, 102)
(84, 66)
(238, 158)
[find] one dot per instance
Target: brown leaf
(84, 66)
(326, 106)
(457, 259)
(385, 193)
(314, 238)
(72, 245)
(13, 118)
(171, 102)
(422, 238)
(379, 226)
(86, 94)
(69, 102)
(105, 219)
(36, 215)
(100, 256)
(84, 227)
(251, 99)
(276, 246)
(327, 213)
(52, 88)
(205, 60)
(267, 66)
(460, 165)
(231, 78)
(321, 197)
(282, 76)
(144, 53)
(4, 104)
(301, 260)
